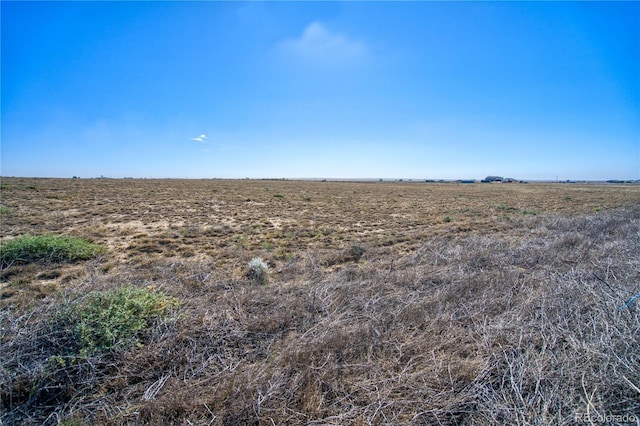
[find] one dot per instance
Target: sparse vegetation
(4, 210)
(529, 211)
(506, 207)
(46, 248)
(376, 312)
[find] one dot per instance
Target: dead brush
(528, 328)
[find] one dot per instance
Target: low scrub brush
(46, 248)
(109, 319)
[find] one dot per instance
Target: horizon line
(344, 179)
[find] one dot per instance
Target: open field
(387, 303)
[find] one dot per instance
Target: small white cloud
(200, 138)
(319, 45)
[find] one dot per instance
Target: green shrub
(47, 248)
(113, 318)
(4, 210)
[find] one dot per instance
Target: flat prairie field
(230, 220)
(378, 303)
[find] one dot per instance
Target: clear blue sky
(342, 90)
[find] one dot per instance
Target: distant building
(500, 179)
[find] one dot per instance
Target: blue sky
(329, 89)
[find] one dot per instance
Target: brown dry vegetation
(388, 303)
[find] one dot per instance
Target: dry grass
(497, 317)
